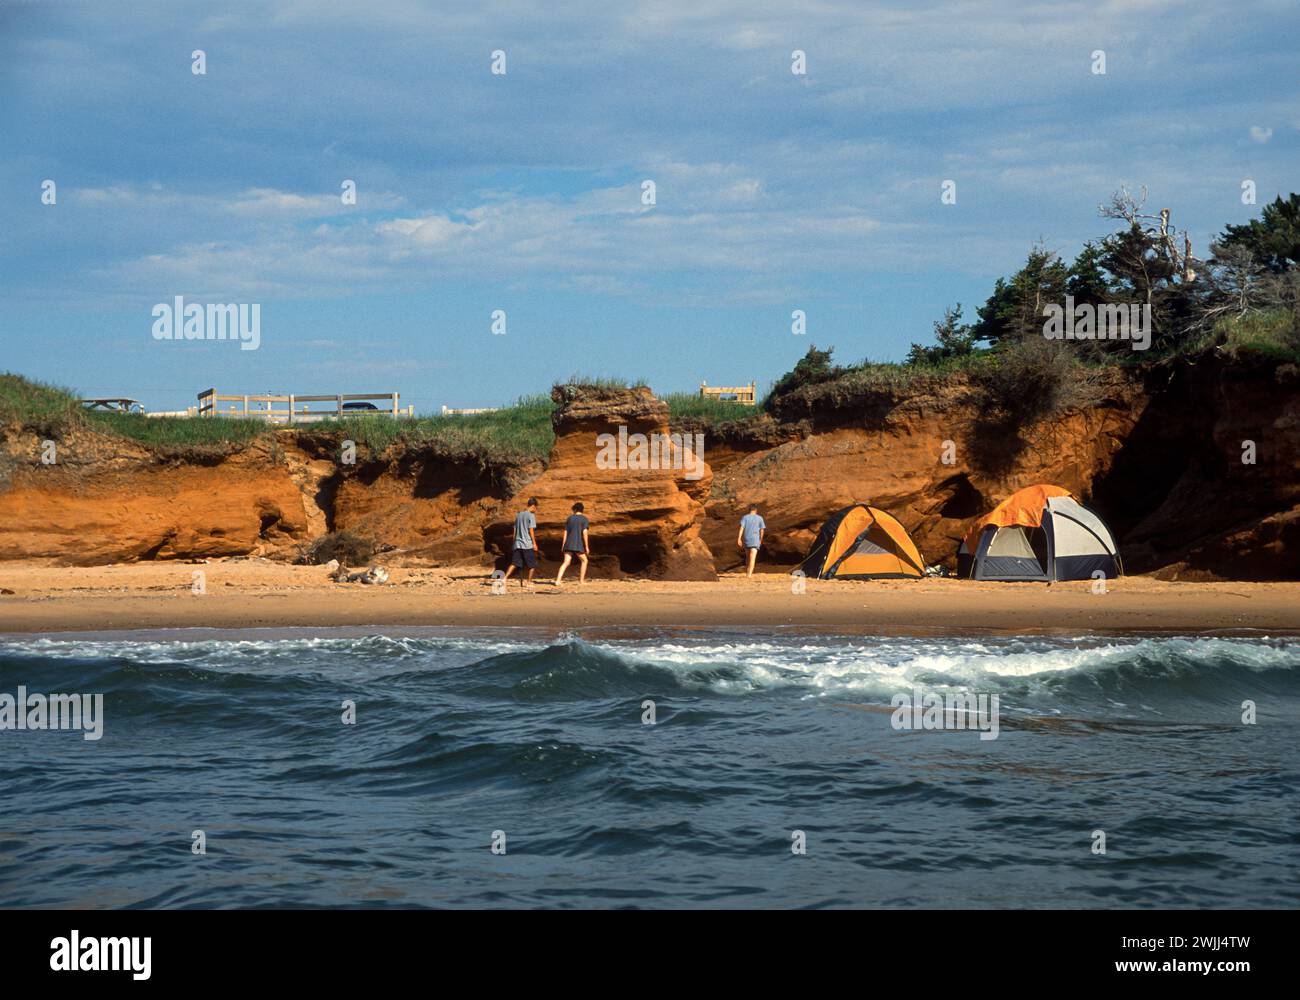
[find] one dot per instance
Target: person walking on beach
(524, 554)
(577, 542)
(750, 538)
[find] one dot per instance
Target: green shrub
(1032, 378)
(813, 368)
(953, 340)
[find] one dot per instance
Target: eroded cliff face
(1159, 456)
(1196, 468)
(645, 521)
(928, 457)
(1207, 485)
(104, 500)
(430, 508)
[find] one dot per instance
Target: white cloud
(836, 175)
(430, 231)
(254, 204)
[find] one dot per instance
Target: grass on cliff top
(38, 406)
(604, 382)
(51, 411)
(706, 410)
(517, 433)
(1272, 333)
(178, 433)
(900, 375)
(827, 385)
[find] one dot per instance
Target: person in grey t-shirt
(524, 553)
(750, 538)
(577, 542)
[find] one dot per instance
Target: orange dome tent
(862, 543)
(1038, 533)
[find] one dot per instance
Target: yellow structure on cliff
(746, 394)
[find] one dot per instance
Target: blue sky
(521, 192)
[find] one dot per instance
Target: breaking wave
(1044, 673)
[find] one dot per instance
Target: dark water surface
(460, 734)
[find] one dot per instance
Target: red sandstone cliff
(107, 500)
(1158, 454)
(644, 520)
(923, 454)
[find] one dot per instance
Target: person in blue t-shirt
(577, 542)
(750, 538)
(524, 553)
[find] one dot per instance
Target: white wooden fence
(293, 408)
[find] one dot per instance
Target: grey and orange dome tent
(1038, 533)
(862, 543)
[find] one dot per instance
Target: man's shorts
(524, 558)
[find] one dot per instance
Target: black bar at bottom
(337, 948)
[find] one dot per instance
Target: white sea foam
(722, 663)
(885, 666)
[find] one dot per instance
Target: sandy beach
(252, 593)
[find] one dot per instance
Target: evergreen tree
(1274, 238)
(1087, 280)
(1136, 263)
(953, 339)
(813, 367)
(1015, 309)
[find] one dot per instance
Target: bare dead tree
(1158, 230)
(1234, 284)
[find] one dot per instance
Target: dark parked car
(356, 405)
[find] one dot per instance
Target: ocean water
(461, 737)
